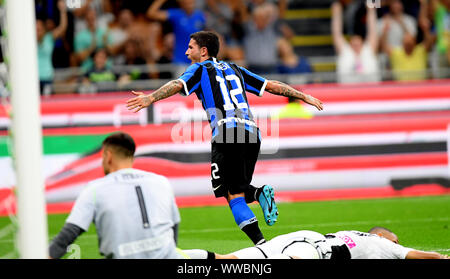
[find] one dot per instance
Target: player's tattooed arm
(144, 100)
(282, 89)
(169, 89)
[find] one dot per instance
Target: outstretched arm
(372, 34)
(61, 29)
(143, 100)
(336, 26)
(415, 255)
(154, 12)
(425, 25)
(282, 89)
(385, 46)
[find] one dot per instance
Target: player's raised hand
(313, 101)
(139, 102)
(62, 6)
(279, 88)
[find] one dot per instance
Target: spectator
(219, 15)
(184, 20)
(62, 52)
(260, 41)
(356, 60)
(442, 21)
(134, 62)
(290, 62)
(46, 45)
(100, 72)
(128, 27)
(223, 17)
(441, 17)
(277, 12)
(89, 39)
(399, 24)
(121, 32)
(166, 57)
(409, 61)
(103, 10)
(278, 7)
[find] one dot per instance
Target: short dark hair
(209, 40)
(378, 229)
(122, 144)
(98, 50)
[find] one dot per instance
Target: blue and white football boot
(267, 202)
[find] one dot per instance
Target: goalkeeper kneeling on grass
(134, 211)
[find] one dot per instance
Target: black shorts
(232, 166)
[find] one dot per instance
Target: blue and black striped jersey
(221, 87)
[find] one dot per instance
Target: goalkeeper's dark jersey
(221, 87)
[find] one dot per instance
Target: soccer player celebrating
(236, 139)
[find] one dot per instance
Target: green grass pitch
(420, 222)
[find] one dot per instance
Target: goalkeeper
(134, 211)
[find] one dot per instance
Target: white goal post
(26, 128)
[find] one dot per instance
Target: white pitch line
(6, 230)
(11, 255)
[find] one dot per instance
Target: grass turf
(420, 222)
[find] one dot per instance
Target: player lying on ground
(379, 243)
(134, 211)
(236, 140)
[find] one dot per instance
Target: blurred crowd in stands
(100, 36)
(118, 41)
(410, 38)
